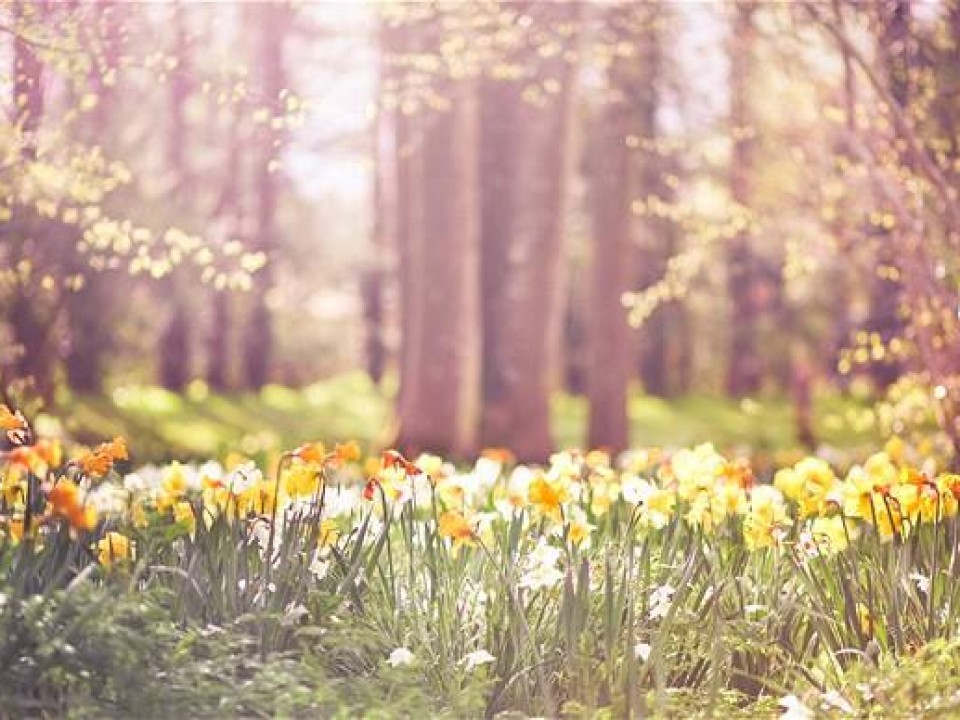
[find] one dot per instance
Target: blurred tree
(175, 351)
(90, 310)
(32, 309)
(373, 278)
(438, 235)
(401, 38)
(228, 218)
(663, 339)
(612, 188)
(744, 372)
(269, 23)
(885, 321)
(526, 154)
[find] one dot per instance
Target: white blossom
(660, 600)
(794, 709)
(319, 567)
(400, 656)
(540, 569)
(922, 581)
(476, 659)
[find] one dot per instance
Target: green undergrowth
(199, 424)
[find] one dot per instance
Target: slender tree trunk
(229, 217)
(89, 308)
(526, 153)
(744, 373)
(272, 20)
(175, 346)
(31, 325)
(656, 242)
(885, 320)
(374, 276)
(408, 179)
(609, 336)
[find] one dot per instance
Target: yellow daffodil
(114, 547)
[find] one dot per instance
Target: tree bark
(745, 369)
(228, 216)
(885, 285)
(374, 276)
(31, 323)
(89, 308)
(610, 342)
(271, 20)
(175, 347)
(438, 231)
(526, 151)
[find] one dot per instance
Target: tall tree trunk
(374, 276)
(30, 322)
(610, 343)
(526, 151)
(89, 308)
(744, 373)
(407, 176)
(175, 347)
(272, 20)
(228, 216)
(885, 320)
(660, 338)
(438, 233)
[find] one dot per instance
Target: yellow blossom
(766, 519)
(114, 547)
(183, 514)
(548, 496)
(454, 526)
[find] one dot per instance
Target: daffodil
(454, 526)
(547, 496)
(114, 547)
(767, 519)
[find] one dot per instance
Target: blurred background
(450, 226)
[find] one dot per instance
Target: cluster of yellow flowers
(807, 506)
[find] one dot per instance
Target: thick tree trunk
(438, 241)
(451, 304)
(745, 369)
(526, 156)
(610, 340)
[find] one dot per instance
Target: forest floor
(162, 425)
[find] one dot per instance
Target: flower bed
(656, 583)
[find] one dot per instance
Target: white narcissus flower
(243, 477)
(400, 657)
(660, 600)
(476, 659)
(319, 567)
(540, 569)
(794, 709)
(922, 581)
(834, 699)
